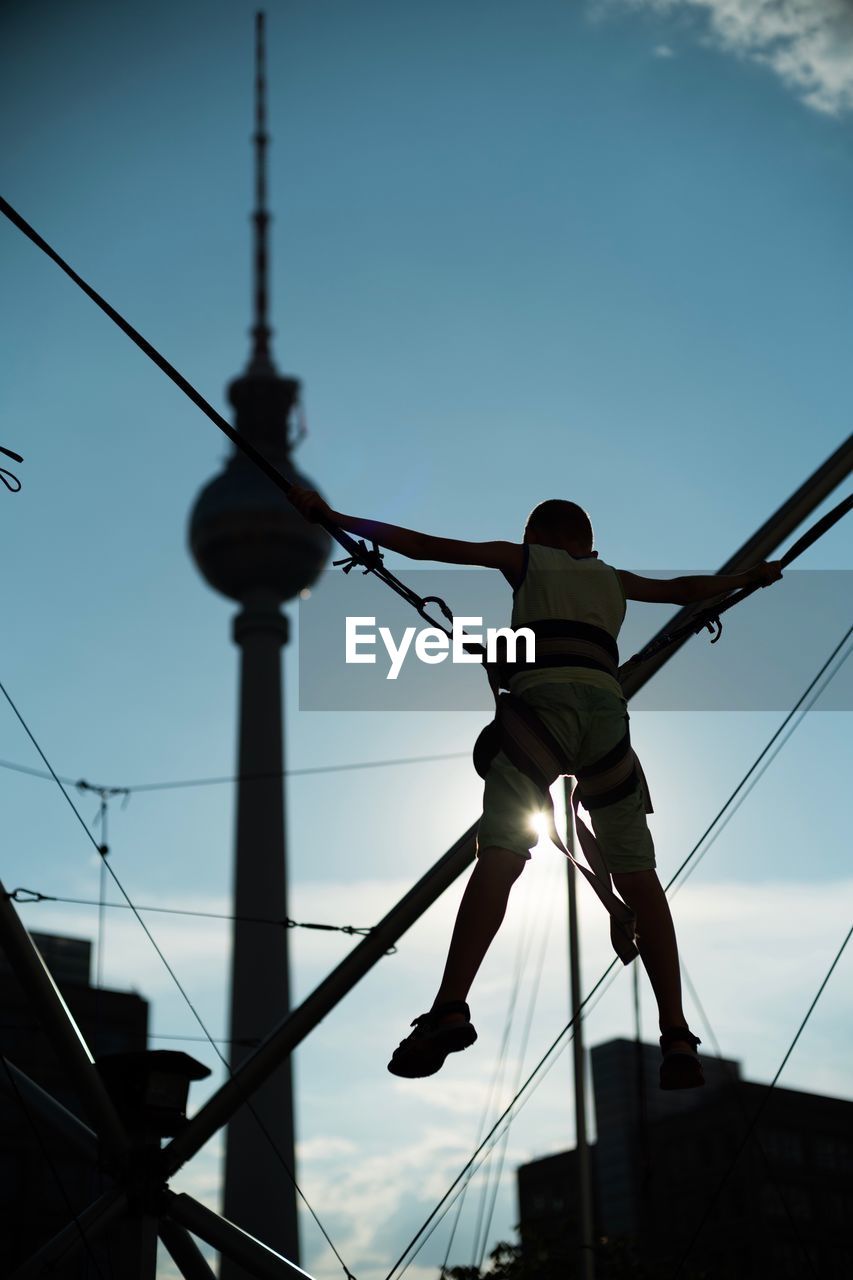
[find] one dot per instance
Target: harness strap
(612, 777)
(532, 748)
(561, 642)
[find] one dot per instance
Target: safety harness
(532, 748)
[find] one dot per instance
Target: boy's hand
(310, 505)
(766, 573)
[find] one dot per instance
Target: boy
(556, 576)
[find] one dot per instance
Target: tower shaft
(259, 1192)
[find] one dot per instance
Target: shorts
(588, 722)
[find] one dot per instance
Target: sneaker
(422, 1053)
(680, 1067)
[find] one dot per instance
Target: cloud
(663, 51)
(808, 44)
(376, 1201)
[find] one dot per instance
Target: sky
(595, 249)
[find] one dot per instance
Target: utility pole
(586, 1227)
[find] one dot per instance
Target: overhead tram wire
(28, 897)
(94, 842)
(551, 1051)
(712, 1200)
(178, 784)
(175, 979)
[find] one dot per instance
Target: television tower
(251, 545)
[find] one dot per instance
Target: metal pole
(586, 1226)
(238, 1245)
(85, 1229)
(296, 1026)
(184, 1251)
(61, 1029)
(762, 544)
(38, 1101)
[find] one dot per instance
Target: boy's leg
(478, 919)
(508, 802)
(656, 940)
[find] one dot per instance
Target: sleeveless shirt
(556, 584)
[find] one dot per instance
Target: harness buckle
(368, 559)
(715, 626)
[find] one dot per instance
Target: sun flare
(538, 823)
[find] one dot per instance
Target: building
(680, 1178)
(42, 1181)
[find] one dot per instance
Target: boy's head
(562, 524)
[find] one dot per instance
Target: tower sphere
(244, 535)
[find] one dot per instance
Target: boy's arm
(695, 587)
(505, 556)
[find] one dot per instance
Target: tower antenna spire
(261, 332)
